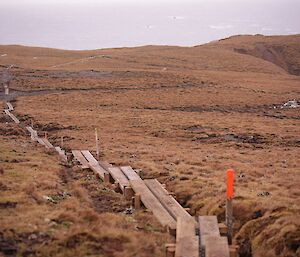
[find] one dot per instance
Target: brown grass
(185, 126)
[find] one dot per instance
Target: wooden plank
(79, 157)
(105, 165)
(30, 129)
(98, 170)
(10, 107)
(90, 158)
(130, 173)
(47, 143)
(187, 243)
(61, 153)
(40, 140)
(173, 207)
(13, 117)
(216, 246)
(153, 204)
(208, 226)
(119, 177)
(33, 133)
(94, 165)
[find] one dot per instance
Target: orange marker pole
(229, 211)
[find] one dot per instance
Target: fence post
(97, 143)
(229, 210)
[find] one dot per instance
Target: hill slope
(261, 54)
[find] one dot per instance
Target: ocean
(96, 25)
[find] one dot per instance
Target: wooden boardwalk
(13, 117)
(194, 237)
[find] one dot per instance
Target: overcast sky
(91, 24)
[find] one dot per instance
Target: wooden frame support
(117, 187)
(137, 201)
(233, 250)
(223, 229)
(170, 250)
(107, 178)
(128, 193)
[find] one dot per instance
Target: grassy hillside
(182, 115)
(276, 55)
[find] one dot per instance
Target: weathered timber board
(79, 157)
(216, 246)
(61, 153)
(208, 226)
(90, 158)
(10, 107)
(173, 207)
(119, 177)
(13, 117)
(130, 173)
(93, 164)
(47, 143)
(106, 165)
(187, 243)
(153, 204)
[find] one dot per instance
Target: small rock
(290, 104)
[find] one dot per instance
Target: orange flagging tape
(229, 183)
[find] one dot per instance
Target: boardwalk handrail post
(229, 209)
(97, 143)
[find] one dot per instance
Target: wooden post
(46, 136)
(233, 250)
(223, 229)
(6, 89)
(170, 250)
(137, 201)
(97, 143)
(106, 178)
(229, 211)
(32, 136)
(128, 193)
(31, 122)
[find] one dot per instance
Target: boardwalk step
(210, 240)
(119, 177)
(187, 243)
(130, 173)
(13, 117)
(153, 204)
(61, 153)
(94, 165)
(216, 246)
(81, 159)
(173, 207)
(10, 107)
(47, 143)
